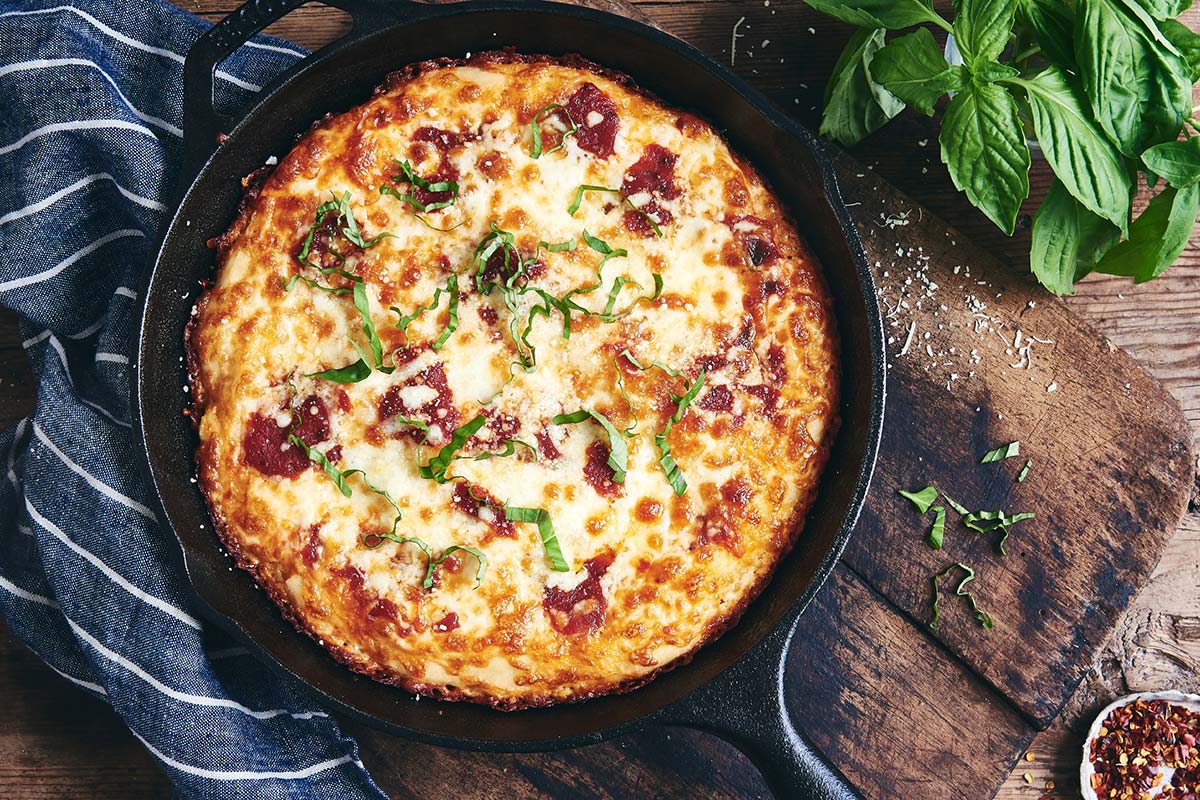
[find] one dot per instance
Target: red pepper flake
(1138, 742)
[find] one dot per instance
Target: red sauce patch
(718, 398)
(471, 500)
(488, 315)
(313, 546)
(597, 139)
(444, 141)
(767, 395)
(446, 624)
(598, 473)
(383, 610)
(711, 363)
(581, 609)
(438, 412)
(265, 445)
(319, 247)
(639, 221)
(546, 447)
(776, 363)
(654, 172)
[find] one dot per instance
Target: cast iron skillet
(734, 686)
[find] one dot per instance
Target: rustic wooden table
(58, 743)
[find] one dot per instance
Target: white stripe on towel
(50, 200)
(77, 125)
(48, 63)
(94, 482)
(112, 574)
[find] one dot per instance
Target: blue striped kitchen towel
(90, 116)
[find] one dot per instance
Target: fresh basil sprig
(1104, 86)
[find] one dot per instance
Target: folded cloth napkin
(89, 144)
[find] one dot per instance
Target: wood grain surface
(851, 684)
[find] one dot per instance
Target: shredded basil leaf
(1000, 453)
(618, 451)
(541, 518)
(510, 447)
(416, 423)
(1024, 473)
(535, 126)
(632, 429)
(665, 459)
(558, 247)
(351, 373)
(924, 498)
(938, 531)
(957, 506)
(350, 225)
(452, 308)
(337, 476)
(981, 616)
(674, 373)
(625, 201)
(434, 563)
(287, 286)
(988, 521)
(438, 465)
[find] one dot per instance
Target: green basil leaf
(1052, 23)
(937, 533)
(1139, 87)
(434, 563)
(1080, 154)
(855, 105)
(981, 29)
(1164, 9)
(618, 450)
(1024, 473)
(1186, 42)
(665, 459)
(983, 145)
(961, 591)
(1068, 240)
(536, 126)
(1000, 453)
(993, 71)
(335, 475)
(913, 68)
(351, 373)
(922, 499)
(1177, 162)
(893, 14)
(1156, 237)
(438, 465)
(452, 308)
(541, 518)
(958, 507)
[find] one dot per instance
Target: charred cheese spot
(652, 575)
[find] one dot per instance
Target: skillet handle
(745, 706)
(201, 121)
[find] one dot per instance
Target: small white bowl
(1191, 701)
